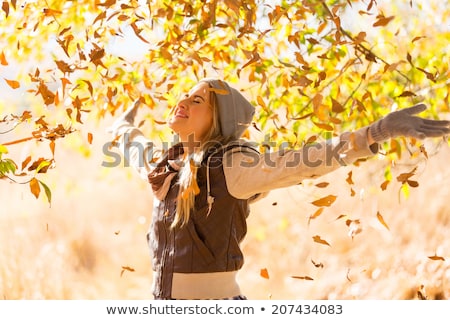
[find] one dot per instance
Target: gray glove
(403, 123)
(131, 112)
(128, 116)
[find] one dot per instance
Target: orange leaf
(90, 136)
(322, 184)
(126, 268)
(318, 239)
(52, 147)
(315, 214)
(13, 83)
(264, 273)
(34, 187)
(382, 21)
(349, 178)
(380, 218)
(435, 257)
(325, 201)
(3, 59)
(384, 185)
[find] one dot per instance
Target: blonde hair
(188, 188)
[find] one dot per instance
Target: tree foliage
(307, 66)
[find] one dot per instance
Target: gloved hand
(403, 123)
(127, 116)
(131, 112)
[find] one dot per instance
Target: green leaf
(47, 191)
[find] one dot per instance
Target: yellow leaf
(264, 273)
(13, 83)
(34, 187)
(325, 201)
(318, 239)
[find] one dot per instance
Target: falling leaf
(404, 177)
(13, 83)
(90, 137)
(382, 21)
(5, 8)
(322, 184)
(126, 268)
(264, 273)
(317, 265)
(325, 201)
(354, 227)
(302, 278)
(318, 239)
(381, 219)
(435, 257)
(417, 38)
(3, 60)
(384, 185)
(316, 214)
(349, 178)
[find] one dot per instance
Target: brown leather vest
(208, 242)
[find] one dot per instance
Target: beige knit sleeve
(249, 173)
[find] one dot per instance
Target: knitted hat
(235, 111)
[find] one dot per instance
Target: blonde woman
(203, 185)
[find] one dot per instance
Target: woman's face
(193, 114)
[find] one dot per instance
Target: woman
(203, 185)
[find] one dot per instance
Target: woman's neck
(190, 144)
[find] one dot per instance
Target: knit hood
(235, 111)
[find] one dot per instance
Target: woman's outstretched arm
(249, 173)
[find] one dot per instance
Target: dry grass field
(90, 243)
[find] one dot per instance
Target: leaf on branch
(47, 191)
(407, 94)
(34, 187)
(318, 239)
(325, 201)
